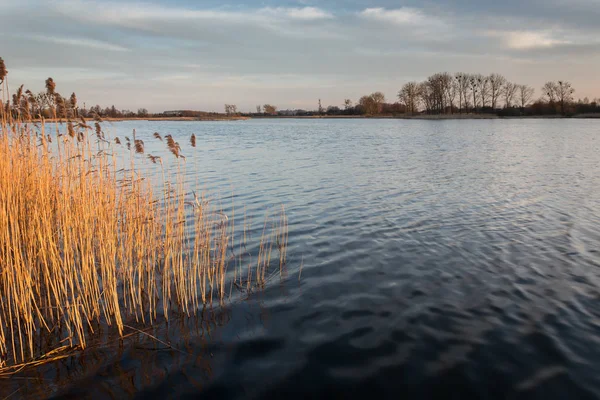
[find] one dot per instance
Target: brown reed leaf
(193, 140)
(117, 140)
(157, 136)
(153, 158)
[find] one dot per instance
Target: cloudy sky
(183, 54)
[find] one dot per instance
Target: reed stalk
(86, 242)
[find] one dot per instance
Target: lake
(451, 259)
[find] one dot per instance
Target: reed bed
(87, 242)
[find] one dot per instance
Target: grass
(87, 243)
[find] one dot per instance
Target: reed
(85, 242)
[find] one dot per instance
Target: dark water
(440, 259)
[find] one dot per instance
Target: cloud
(135, 15)
(79, 42)
(527, 40)
(305, 13)
(202, 56)
(401, 16)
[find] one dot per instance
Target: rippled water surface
(452, 259)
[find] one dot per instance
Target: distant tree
(230, 109)
(372, 104)
(258, 109)
(333, 110)
(320, 107)
(473, 86)
(564, 94)
(549, 91)
(427, 96)
(347, 104)
(525, 94)
(142, 112)
(483, 89)
(409, 95)
(509, 90)
(463, 81)
(270, 109)
(497, 82)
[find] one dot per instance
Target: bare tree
(564, 94)
(473, 85)
(427, 96)
(525, 94)
(483, 88)
(347, 104)
(497, 82)
(258, 109)
(549, 91)
(463, 88)
(373, 103)
(230, 109)
(409, 96)
(509, 90)
(320, 107)
(270, 109)
(451, 92)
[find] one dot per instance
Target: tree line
(440, 93)
(463, 93)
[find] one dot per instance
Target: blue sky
(199, 55)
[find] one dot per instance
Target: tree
(427, 96)
(549, 91)
(483, 88)
(373, 103)
(463, 87)
(142, 112)
(230, 109)
(564, 94)
(270, 109)
(524, 93)
(497, 82)
(347, 104)
(509, 90)
(473, 80)
(320, 108)
(258, 110)
(333, 110)
(409, 96)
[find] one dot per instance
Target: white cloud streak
(528, 40)
(78, 42)
(137, 15)
(401, 16)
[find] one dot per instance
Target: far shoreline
(223, 118)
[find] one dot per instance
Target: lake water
(452, 259)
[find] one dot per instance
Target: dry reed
(85, 243)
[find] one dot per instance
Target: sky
(183, 54)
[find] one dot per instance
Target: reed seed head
(193, 140)
(3, 70)
(139, 146)
(50, 86)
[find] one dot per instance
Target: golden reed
(84, 243)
